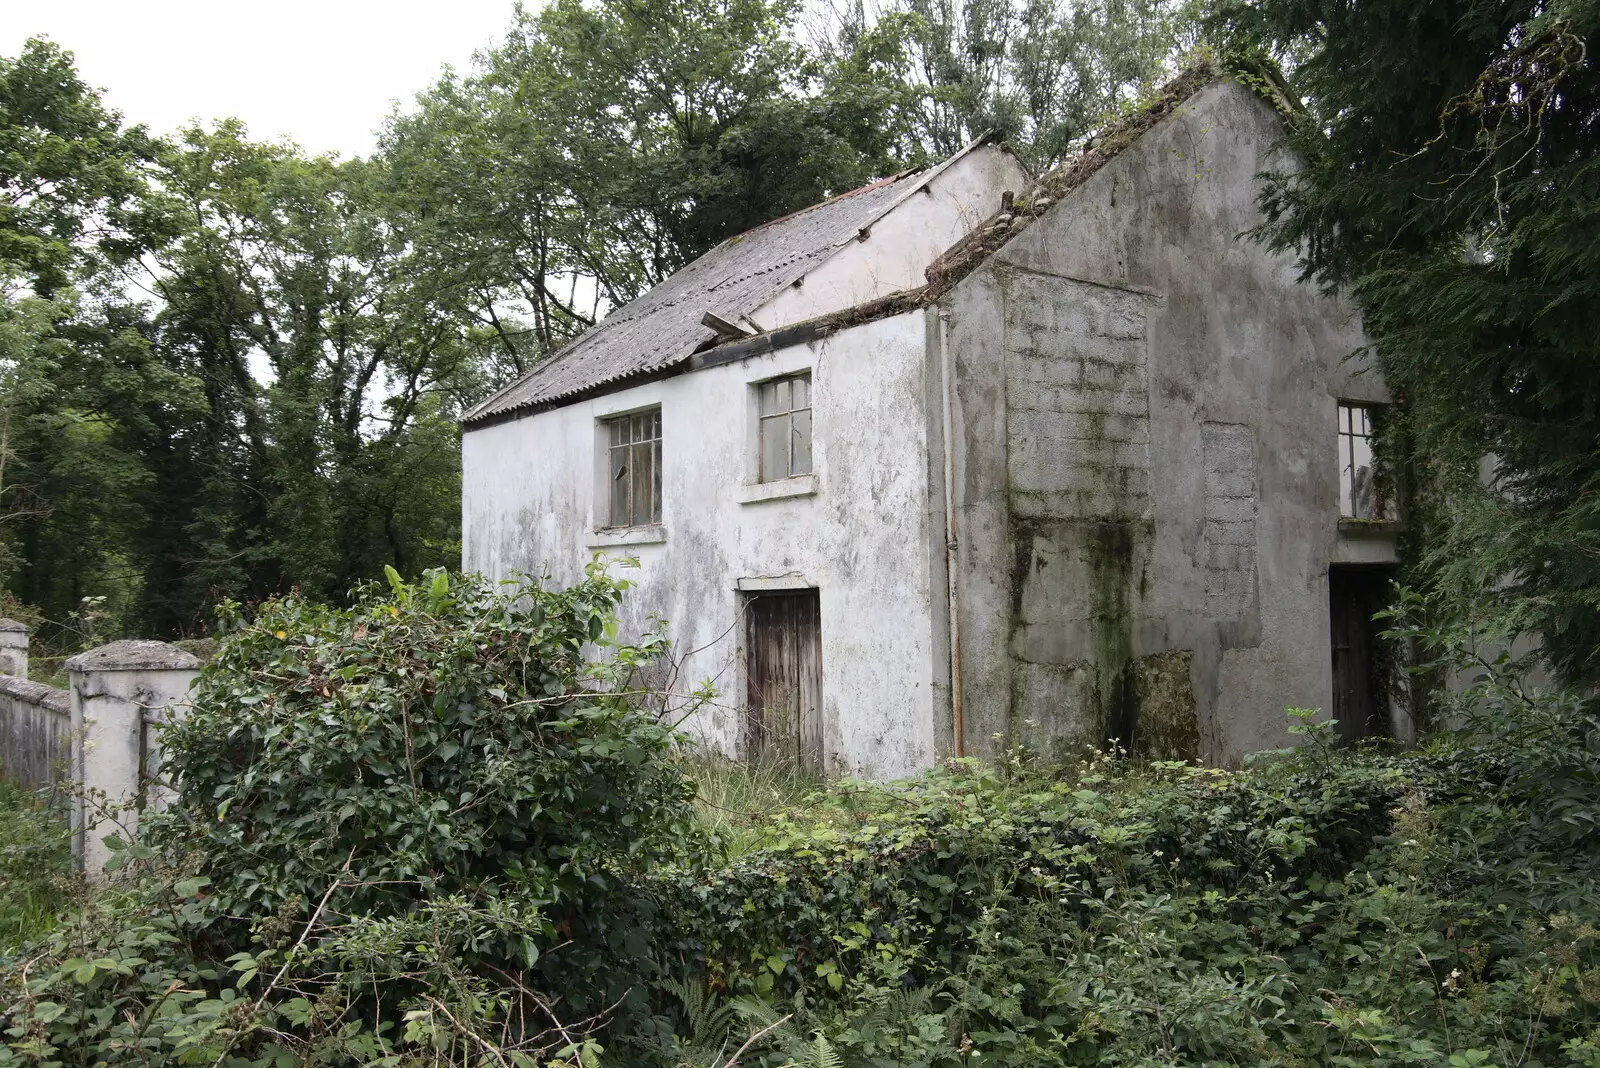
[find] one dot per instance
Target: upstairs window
(634, 453)
(785, 436)
(1360, 496)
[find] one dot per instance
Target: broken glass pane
(643, 480)
(774, 448)
(1360, 497)
(619, 487)
(800, 452)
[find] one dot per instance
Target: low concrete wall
(102, 735)
(35, 720)
(35, 725)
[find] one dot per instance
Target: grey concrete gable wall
(1146, 456)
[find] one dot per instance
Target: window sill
(611, 537)
(1374, 528)
(798, 486)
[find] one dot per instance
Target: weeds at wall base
(36, 880)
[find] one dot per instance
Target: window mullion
(788, 445)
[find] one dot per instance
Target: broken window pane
(620, 492)
(643, 481)
(1360, 495)
(635, 466)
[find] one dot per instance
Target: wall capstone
(134, 654)
(13, 648)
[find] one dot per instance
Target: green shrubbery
(430, 830)
(1326, 909)
(411, 824)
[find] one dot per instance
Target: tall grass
(36, 880)
(735, 800)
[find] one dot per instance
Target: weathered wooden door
(783, 669)
(1360, 701)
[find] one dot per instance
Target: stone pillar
(118, 692)
(13, 648)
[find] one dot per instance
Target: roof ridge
(877, 183)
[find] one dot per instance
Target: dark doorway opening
(783, 673)
(1360, 675)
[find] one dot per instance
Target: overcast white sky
(322, 72)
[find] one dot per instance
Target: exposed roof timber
(723, 326)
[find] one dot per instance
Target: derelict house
(961, 460)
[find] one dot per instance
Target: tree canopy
(1451, 182)
(231, 369)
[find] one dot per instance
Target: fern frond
(754, 1011)
(821, 1054)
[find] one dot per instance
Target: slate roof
(662, 328)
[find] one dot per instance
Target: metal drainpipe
(952, 542)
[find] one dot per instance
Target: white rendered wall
(862, 538)
(900, 246)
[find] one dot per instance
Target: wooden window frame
(630, 440)
(1356, 432)
(777, 413)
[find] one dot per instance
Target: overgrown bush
(409, 825)
(1322, 907)
(433, 740)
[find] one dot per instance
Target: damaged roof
(662, 330)
(1016, 214)
(663, 327)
